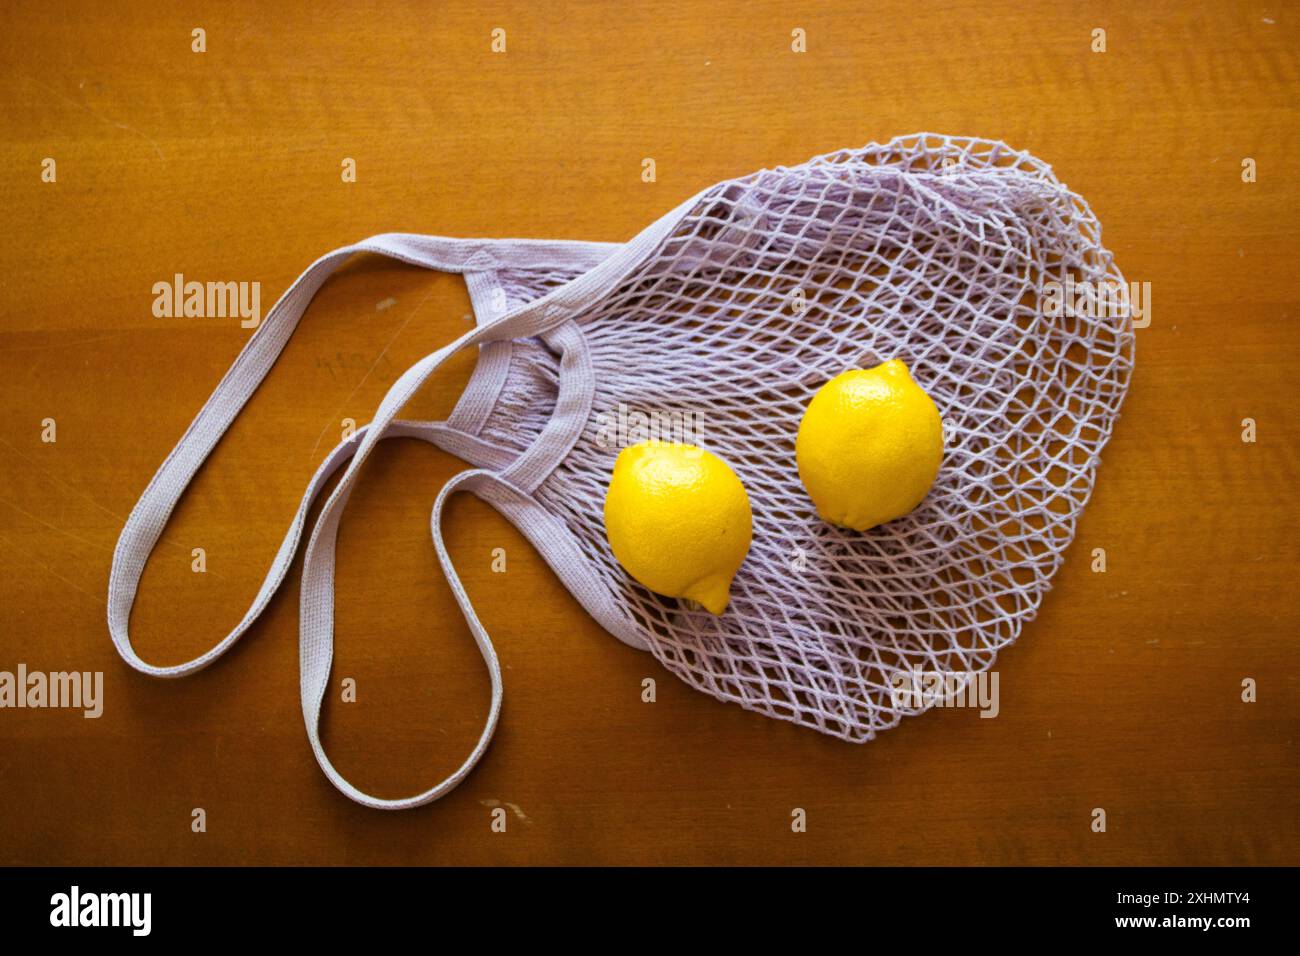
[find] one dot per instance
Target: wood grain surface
(1124, 694)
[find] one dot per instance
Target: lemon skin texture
(678, 521)
(869, 446)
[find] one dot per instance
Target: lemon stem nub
(713, 593)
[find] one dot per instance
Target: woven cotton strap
(316, 625)
(507, 484)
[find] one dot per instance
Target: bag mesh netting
(931, 249)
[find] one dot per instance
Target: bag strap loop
(317, 645)
(149, 517)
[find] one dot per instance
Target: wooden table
(1124, 694)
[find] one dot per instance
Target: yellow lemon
(678, 520)
(869, 446)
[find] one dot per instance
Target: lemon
(678, 520)
(869, 446)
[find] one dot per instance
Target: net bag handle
(512, 484)
(149, 517)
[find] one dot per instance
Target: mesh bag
(729, 313)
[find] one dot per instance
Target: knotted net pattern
(933, 249)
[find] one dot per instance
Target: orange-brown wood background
(1124, 694)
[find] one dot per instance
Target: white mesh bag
(734, 308)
